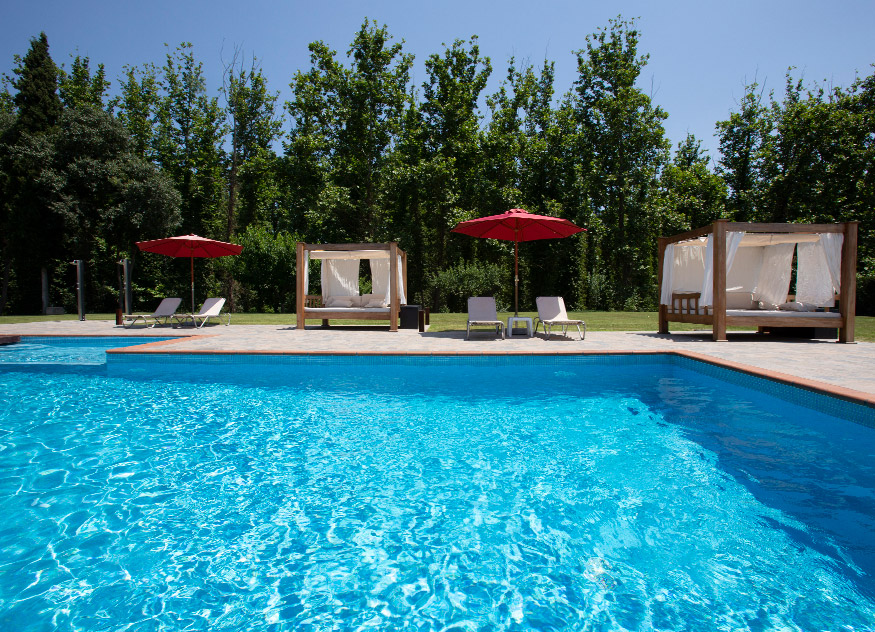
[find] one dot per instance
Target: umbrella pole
(193, 310)
(516, 279)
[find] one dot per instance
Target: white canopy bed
(341, 297)
(739, 274)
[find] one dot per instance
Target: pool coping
(823, 388)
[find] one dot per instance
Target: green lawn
(595, 321)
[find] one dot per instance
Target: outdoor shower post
(127, 269)
(80, 286)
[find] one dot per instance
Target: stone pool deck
(844, 370)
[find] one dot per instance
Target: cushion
(793, 306)
(338, 301)
(739, 300)
(373, 300)
(357, 301)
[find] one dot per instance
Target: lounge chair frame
(564, 323)
(213, 311)
(481, 322)
(166, 310)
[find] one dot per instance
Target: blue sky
(701, 52)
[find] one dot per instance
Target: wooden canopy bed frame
(315, 306)
(684, 305)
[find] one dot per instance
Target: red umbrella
(190, 246)
(517, 225)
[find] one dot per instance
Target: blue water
(467, 496)
(54, 350)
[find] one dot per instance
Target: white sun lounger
(482, 313)
(165, 310)
(210, 309)
(551, 313)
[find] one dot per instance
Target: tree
(79, 88)
(187, 142)
(741, 148)
(37, 103)
(254, 127)
(345, 121)
(451, 169)
(627, 150)
(108, 198)
(691, 195)
(32, 228)
(137, 106)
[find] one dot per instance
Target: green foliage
(265, 269)
(36, 101)
(455, 284)
(254, 126)
(691, 195)
(372, 157)
(622, 135)
(79, 88)
(345, 120)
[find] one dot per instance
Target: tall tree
(624, 129)
(254, 127)
(37, 102)
(80, 88)
(137, 107)
(33, 231)
(451, 170)
(345, 121)
(691, 194)
(188, 142)
(741, 149)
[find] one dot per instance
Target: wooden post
(718, 300)
(848, 294)
(394, 307)
(663, 320)
(300, 290)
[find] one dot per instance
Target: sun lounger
(165, 310)
(210, 309)
(482, 313)
(551, 313)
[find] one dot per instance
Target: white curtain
(774, 281)
(818, 274)
(832, 249)
(306, 272)
(667, 275)
(380, 280)
(733, 240)
(340, 277)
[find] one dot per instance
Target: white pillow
(338, 301)
(376, 302)
(357, 301)
(739, 300)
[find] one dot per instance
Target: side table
(523, 320)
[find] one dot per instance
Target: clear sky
(701, 52)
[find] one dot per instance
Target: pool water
(53, 350)
(459, 495)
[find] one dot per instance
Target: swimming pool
(281, 493)
(54, 350)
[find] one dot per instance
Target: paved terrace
(845, 370)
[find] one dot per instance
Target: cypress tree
(37, 101)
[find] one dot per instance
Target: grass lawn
(595, 321)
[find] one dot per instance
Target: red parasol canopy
(518, 225)
(190, 246)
